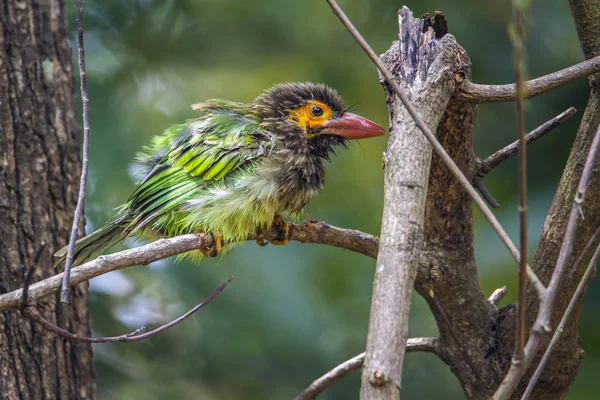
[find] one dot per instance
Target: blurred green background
(292, 313)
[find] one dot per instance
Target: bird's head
(311, 112)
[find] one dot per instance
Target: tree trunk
(39, 170)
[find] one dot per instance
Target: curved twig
(426, 344)
(478, 93)
(310, 232)
(32, 313)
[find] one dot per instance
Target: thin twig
(497, 296)
(518, 55)
(579, 260)
(309, 232)
(477, 93)
(33, 314)
(318, 386)
(64, 296)
(457, 341)
(491, 162)
(439, 149)
(561, 326)
(567, 245)
(477, 182)
(541, 327)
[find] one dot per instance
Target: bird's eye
(316, 111)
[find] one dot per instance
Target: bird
(234, 169)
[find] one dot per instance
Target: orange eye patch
(311, 115)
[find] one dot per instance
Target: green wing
(189, 158)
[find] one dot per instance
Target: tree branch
(437, 147)
(494, 160)
(486, 166)
(561, 326)
(425, 344)
(424, 66)
(497, 296)
(32, 313)
(310, 232)
(477, 93)
(541, 327)
(64, 296)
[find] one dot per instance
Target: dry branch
(64, 296)
(310, 232)
(32, 313)
(494, 160)
(497, 296)
(572, 304)
(425, 68)
(542, 327)
(425, 344)
(477, 93)
(437, 147)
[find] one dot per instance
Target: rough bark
(39, 168)
(448, 266)
(425, 66)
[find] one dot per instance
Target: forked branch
(437, 147)
(541, 327)
(559, 330)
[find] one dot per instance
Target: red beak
(352, 126)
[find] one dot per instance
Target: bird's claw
(284, 231)
(216, 248)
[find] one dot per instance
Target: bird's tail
(95, 243)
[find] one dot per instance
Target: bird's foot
(216, 248)
(284, 231)
(262, 242)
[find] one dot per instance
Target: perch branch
(477, 93)
(318, 386)
(64, 296)
(32, 313)
(561, 326)
(310, 232)
(541, 327)
(438, 148)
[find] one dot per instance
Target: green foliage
(293, 312)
